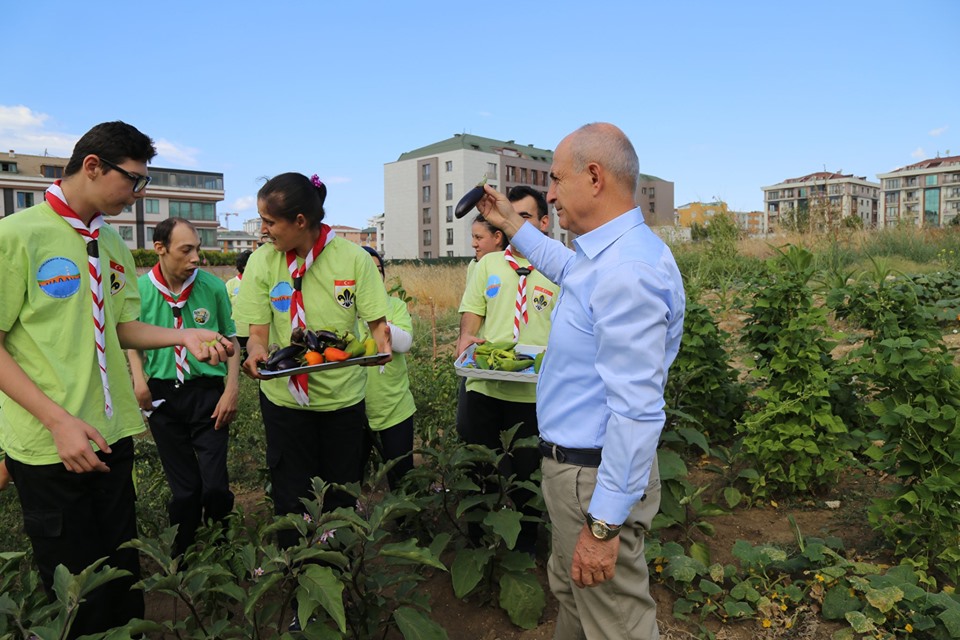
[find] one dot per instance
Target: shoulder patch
(59, 277)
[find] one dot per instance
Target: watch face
(599, 531)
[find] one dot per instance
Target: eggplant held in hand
(470, 200)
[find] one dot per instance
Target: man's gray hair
(608, 146)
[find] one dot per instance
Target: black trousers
(304, 444)
(482, 420)
(394, 442)
(75, 519)
(193, 454)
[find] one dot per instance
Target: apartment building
(172, 192)
(655, 198)
(925, 194)
(700, 212)
(231, 241)
(831, 196)
(422, 187)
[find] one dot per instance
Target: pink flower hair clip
(317, 182)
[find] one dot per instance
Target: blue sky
(721, 98)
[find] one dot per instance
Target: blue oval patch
(59, 277)
(493, 286)
(280, 296)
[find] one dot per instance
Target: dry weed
(441, 285)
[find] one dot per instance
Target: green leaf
(733, 496)
(319, 586)
(701, 552)
(736, 609)
(951, 620)
(467, 570)
(408, 550)
(416, 625)
(522, 597)
(671, 465)
(838, 602)
(884, 599)
(860, 622)
(506, 524)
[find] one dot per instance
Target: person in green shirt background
(389, 403)
(233, 289)
(491, 311)
(67, 409)
(190, 404)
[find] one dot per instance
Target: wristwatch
(601, 530)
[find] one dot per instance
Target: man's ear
(597, 177)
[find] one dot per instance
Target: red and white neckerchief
(176, 302)
(56, 199)
(298, 315)
(520, 311)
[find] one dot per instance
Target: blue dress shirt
(616, 330)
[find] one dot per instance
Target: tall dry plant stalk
(443, 284)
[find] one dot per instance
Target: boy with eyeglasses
(67, 409)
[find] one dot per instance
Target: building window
(650, 193)
(449, 236)
(449, 214)
(128, 209)
(449, 191)
(426, 215)
(491, 169)
(193, 211)
(533, 177)
(449, 254)
(125, 231)
(426, 194)
(931, 181)
(187, 180)
(52, 172)
(427, 237)
(511, 174)
(523, 175)
(8, 167)
(148, 235)
(449, 165)
(24, 199)
(545, 181)
(425, 171)
(891, 183)
(208, 237)
(427, 254)
(152, 205)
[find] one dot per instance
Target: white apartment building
(422, 188)
(925, 194)
(841, 195)
(172, 192)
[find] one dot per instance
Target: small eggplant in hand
(470, 200)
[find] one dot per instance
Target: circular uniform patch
(59, 277)
(493, 286)
(200, 316)
(280, 296)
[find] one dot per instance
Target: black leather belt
(580, 457)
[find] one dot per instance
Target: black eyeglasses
(139, 182)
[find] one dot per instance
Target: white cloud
(175, 154)
(336, 180)
(244, 203)
(939, 131)
(23, 129)
(919, 153)
(485, 114)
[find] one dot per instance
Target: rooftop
(477, 143)
(930, 164)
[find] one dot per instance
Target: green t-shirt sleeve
(253, 301)
(130, 305)
(399, 315)
(371, 294)
(224, 311)
(473, 296)
(12, 293)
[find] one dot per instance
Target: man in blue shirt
(616, 330)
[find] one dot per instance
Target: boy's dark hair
(164, 231)
(242, 258)
(114, 141)
(286, 195)
(522, 191)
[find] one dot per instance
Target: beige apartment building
(422, 188)
(832, 195)
(925, 194)
(172, 192)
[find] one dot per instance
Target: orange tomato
(313, 357)
(332, 354)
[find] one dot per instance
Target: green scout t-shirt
(45, 308)
(389, 401)
(208, 307)
(342, 287)
(233, 288)
(492, 293)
